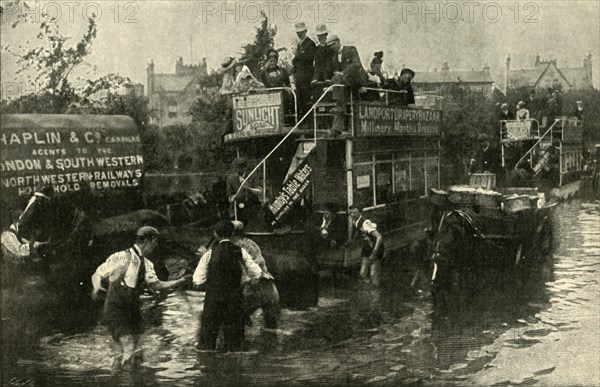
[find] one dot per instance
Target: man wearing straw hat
(323, 56)
(303, 67)
(227, 68)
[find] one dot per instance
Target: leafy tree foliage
(254, 53)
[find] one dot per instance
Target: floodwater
(544, 332)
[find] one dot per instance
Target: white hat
(321, 29)
(227, 63)
(300, 26)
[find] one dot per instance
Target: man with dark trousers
(128, 271)
(221, 270)
(323, 56)
(303, 68)
(347, 71)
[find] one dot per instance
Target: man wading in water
(127, 271)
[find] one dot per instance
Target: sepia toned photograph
(299, 193)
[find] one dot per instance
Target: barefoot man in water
(127, 272)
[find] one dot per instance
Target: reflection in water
(506, 329)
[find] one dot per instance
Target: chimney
(179, 66)
(507, 73)
(445, 67)
(587, 67)
(486, 68)
(537, 60)
(150, 81)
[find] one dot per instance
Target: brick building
(546, 74)
(170, 96)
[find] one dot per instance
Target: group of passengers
(315, 67)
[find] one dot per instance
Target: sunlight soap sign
(257, 114)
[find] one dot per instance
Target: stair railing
(262, 162)
(530, 151)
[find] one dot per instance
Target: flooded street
(543, 332)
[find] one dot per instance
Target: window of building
(172, 113)
(385, 178)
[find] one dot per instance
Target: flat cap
(147, 231)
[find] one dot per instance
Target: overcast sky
(421, 35)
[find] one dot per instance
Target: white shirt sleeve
(112, 263)
(150, 277)
(12, 244)
(252, 268)
(199, 276)
(369, 226)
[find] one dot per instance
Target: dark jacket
(506, 116)
(349, 57)
(224, 273)
(277, 77)
(304, 59)
(404, 99)
(323, 63)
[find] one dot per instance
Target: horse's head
(452, 238)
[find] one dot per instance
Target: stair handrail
(549, 130)
(312, 108)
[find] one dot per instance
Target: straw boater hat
(227, 63)
(321, 29)
(504, 105)
(300, 26)
(520, 104)
(332, 38)
(407, 71)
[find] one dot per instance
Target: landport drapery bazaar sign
(257, 114)
(67, 158)
(373, 120)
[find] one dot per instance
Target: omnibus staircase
(541, 152)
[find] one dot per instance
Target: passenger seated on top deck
(272, 74)
(505, 114)
(348, 71)
(275, 76)
(228, 69)
(246, 82)
(376, 78)
(402, 85)
(522, 113)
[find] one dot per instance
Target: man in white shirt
(127, 271)
(372, 251)
(15, 248)
(221, 269)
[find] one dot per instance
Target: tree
(255, 52)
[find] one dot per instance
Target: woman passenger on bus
(274, 75)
